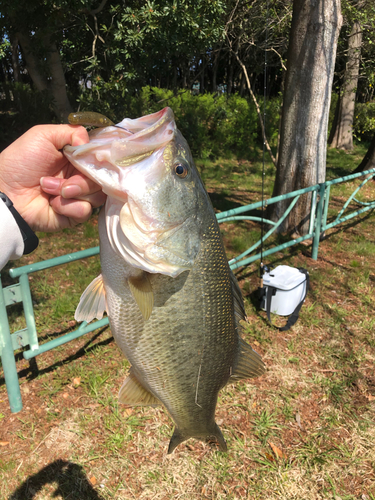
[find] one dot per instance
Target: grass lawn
(304, 430)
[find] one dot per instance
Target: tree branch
(266, 143)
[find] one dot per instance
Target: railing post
(28, 310)
(318, 223)
(7, 358)
(326, 205)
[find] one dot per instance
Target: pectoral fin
(133, 393)
(141, 290)
(93, 302)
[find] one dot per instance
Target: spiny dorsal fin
(133, 393)
(249, 363)
(93, 302)
(141, 290)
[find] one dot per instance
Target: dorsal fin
(93, 302)
(133, 393)
(141, 290)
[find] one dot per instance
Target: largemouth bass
(173, 304)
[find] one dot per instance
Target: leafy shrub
(213, 125)
(364, 121)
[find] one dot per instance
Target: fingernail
(50, 182)
(77, 141)
(71, 191)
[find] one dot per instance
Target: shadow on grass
(72, 483)
(342, 227)
(32, 372)
(221, 202)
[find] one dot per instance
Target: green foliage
(364, 121)
(213, 125)
(22, 108)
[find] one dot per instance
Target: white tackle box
(289, 284)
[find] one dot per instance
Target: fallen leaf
(269, 457)
(298, 420)
(65, 395)
(93, 480)
(277, 451)
(370, 397)
(76, 381)
(4, 443)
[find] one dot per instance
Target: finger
(51, 185)
(61, 135)
(76, 211)
(96, 200)
(76, 187)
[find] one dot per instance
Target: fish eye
(181, 170)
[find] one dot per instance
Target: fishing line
(262, 269)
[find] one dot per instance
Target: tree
(30, 26)
(41, 34)
(368, 161)
(341, 135)
(303, 132)
(251, 30)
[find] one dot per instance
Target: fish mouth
(112, 149)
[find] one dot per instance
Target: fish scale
(173, 303)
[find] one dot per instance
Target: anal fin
(133, 393)
(141, 290)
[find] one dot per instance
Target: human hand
(45, 188)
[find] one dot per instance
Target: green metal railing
(20, 292)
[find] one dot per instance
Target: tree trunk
(5, 87)
(342, 132)
(57, 87)
(203, 66)
(303, 134)
(230, 74)
(61, 102)
(32, 64)
(215, 68)
(368, 161)
(15, 59)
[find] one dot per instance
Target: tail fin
(214, 435)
